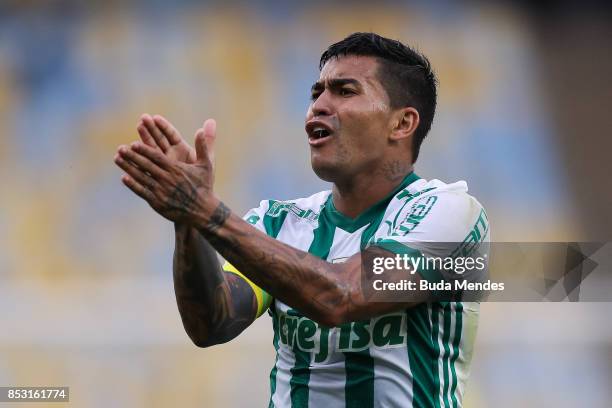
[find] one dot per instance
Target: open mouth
(319, 133)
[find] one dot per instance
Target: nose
(322, 105)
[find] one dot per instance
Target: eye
(346, 92)
(314, 95)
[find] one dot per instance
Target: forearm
(214, 307)
(296, 278)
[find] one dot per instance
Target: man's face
(348, 120)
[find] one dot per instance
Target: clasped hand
(164, 171)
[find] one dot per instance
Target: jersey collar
(353, 224)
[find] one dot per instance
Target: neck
(355, 195)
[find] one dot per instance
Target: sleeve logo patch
(415, 215)
(475, 237)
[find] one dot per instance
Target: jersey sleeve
(254, 217)
(444, 225)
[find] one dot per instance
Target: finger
(200, 145)
(210, 135)
(154, 156)
(144, 134)
(205, 140)
(168, 130)
(136, 173)
(128, 154)
(160, 139)
(137, 188)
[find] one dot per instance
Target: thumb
(205, 141)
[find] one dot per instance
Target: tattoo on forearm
(297, 266)
(295, 277)
(218, 218)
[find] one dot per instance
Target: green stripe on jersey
(423, 364)
(446, 343)
(432, 392)
(435, 333)
(275, 368)
(273, 226)
(359, 386)
(456, 342)
(300, 373)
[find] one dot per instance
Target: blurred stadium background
(86, 296)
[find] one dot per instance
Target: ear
(405, 122)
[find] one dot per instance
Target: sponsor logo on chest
(302, 334)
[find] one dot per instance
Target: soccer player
(301, 260)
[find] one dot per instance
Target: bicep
(245, 290)
(242, 298)
(236, 308)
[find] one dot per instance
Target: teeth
(319, 132)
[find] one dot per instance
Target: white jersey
(417, 357)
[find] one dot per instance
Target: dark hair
(405, 73)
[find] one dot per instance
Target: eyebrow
(335, 83)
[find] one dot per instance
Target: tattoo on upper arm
(215, 305)
(236, 308)
(242, 297)
(230, 310)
